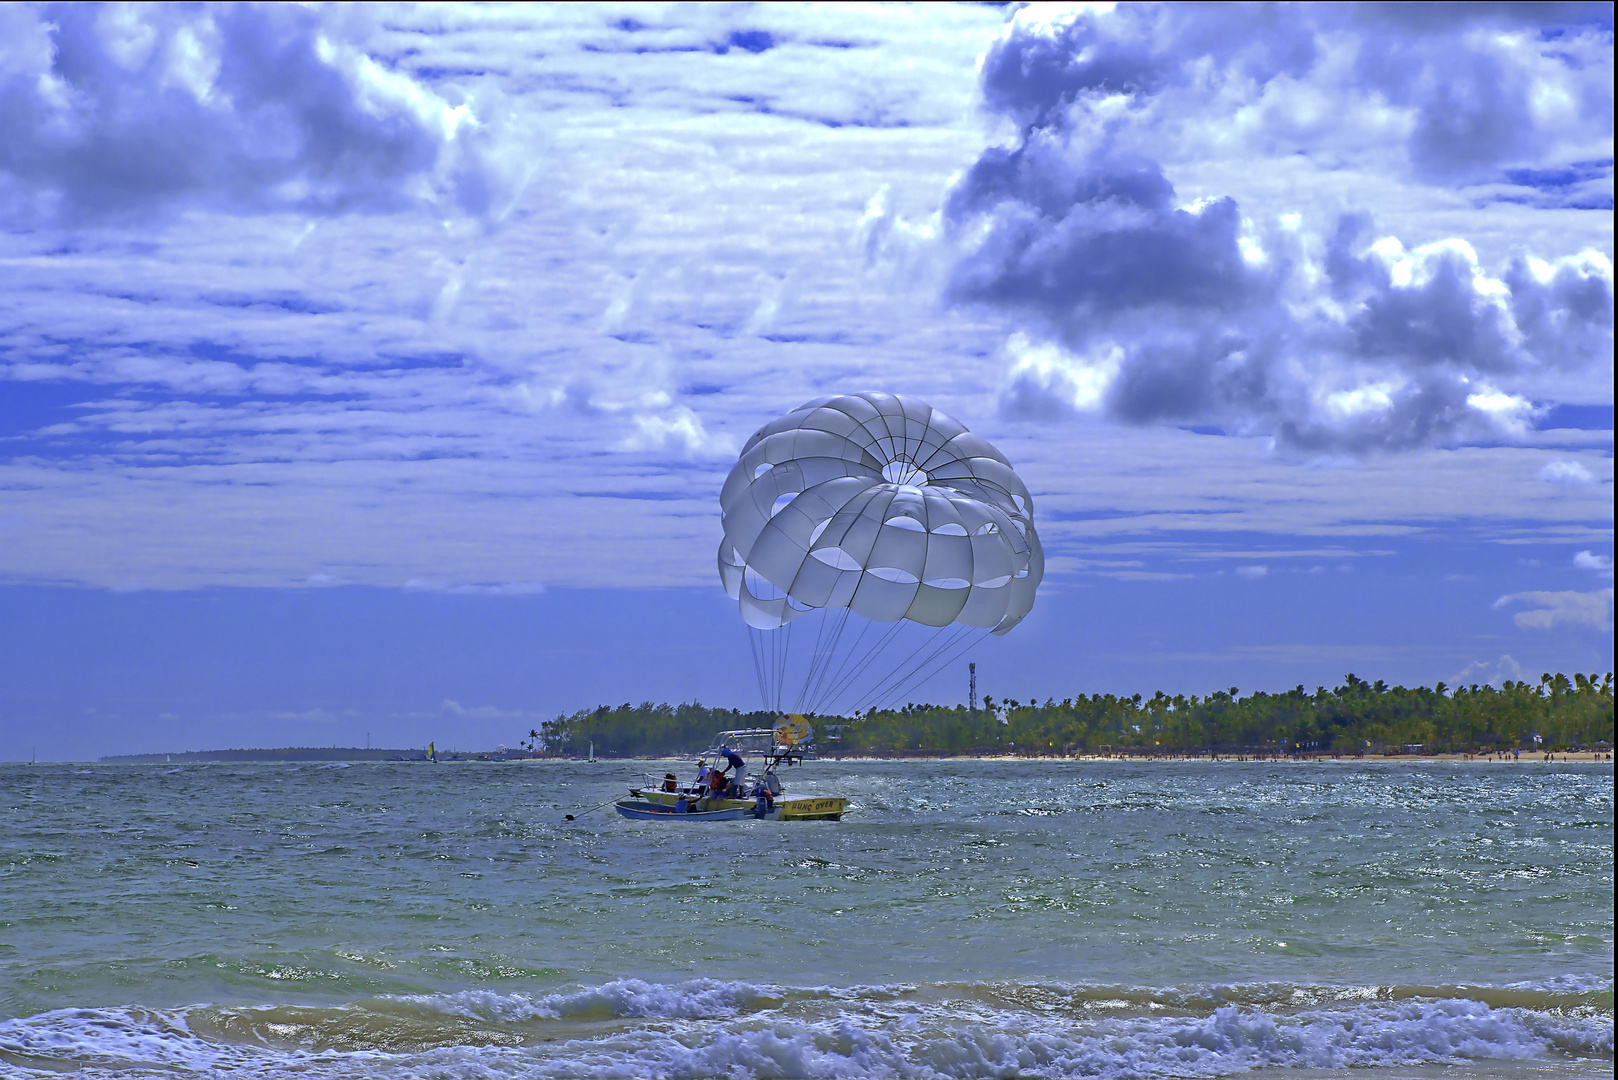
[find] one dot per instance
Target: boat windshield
(755, 741)
(767, 746)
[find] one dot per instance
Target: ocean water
(967, 919)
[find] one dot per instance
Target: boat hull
(786, 808)
(641, 810)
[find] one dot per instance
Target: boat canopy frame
(760, 741)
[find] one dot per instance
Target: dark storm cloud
(1202, 313)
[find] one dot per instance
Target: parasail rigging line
(809, 673)
(972, 641)
(901, 674)
(825, 666)
(853, 650)
(833, 688)
(903, 680)
(781, 640)
(903, 668)
(787, 651)
(769, 646)
(937, 662)
(758, 661)
(846, 682)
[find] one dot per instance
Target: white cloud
(678, 429)
(119, 110)
(1047, 381)
(1554, 610)
(1252, 573)
(1489, 672)
(1566, 472)
(338, 352)
(1589, 560)
(1262, 308)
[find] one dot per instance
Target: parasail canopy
(881, 505)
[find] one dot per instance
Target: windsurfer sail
(432, 755)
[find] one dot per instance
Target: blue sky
(375, 370)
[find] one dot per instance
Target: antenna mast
(972, 686)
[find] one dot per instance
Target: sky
(371, 373)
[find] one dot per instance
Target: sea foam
(709, 1027)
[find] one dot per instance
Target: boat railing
(654, 782)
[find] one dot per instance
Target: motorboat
(759, 796)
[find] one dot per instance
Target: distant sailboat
(432, 755)
(592, 751)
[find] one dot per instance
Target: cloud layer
(1269, 313)
(281, 339)
(115, 111)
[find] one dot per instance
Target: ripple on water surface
(968, 918)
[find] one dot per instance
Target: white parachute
(881, 507)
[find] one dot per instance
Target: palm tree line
(1357, 718)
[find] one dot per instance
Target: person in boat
(763, 797)
(716, 786)
(670, 782)
(702, 774)
(737, 766)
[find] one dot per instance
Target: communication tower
(972, 686)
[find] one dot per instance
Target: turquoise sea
(967, 919)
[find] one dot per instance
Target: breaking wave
(708, 1027)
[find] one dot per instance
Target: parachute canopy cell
(883, 505)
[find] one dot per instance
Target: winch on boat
(722, 789)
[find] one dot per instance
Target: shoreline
(1588, 757)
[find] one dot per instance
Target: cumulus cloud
(1492, 672)
(649, 417)
(388, 400)
(1437, 91)
(1555, 610)
(1566, 472)
(117, 110)
(677, 428)
(1589, 560)
(1327, 334)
